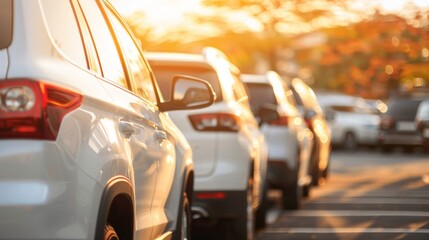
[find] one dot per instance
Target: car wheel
(243, 227)
(350, 142)
(183, 231)
(386, 148)
(315, 174)
(292, 195)
(261, 212)
(306, 191)
(408, 149)
(110, 233)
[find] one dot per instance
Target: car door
(135, 118)
(162, 150)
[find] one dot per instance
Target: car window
(110, 60)
(260, 94)
(342, 108)
(140, 74)
(423, 111)
(405, 109)
(61, 23)
(6, 21)
(164, 74)
(89, 45)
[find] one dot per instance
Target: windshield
(259, 95)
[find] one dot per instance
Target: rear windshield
(5, 23)
(164, 75)
(259, 95)
(343, 108)
(404, 109)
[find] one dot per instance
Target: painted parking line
(351, 213)
(343, 230)
(411, 201)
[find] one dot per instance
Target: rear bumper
(222, 204)
(400, 139)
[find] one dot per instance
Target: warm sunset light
(289, 36)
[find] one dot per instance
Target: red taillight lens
(225, 122)
(281, 121)
(32, 109)
(211, 195)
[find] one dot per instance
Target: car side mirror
(267, 114)
(188, 93)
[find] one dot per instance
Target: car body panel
(54, 189)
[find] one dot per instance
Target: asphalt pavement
(368, 195)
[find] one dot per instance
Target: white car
(352, 120)
(288, 138)
(86, 150)
(229, 151)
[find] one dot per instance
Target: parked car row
(354, 121)
(102, 141)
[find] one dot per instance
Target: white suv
(289, 139)
(86, 150)
(230, 152)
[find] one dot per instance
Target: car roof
(254, 78)
(174, 57)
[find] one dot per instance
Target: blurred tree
(274, 20)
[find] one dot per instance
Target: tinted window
(342, 108)
(111, 65)
(63, 27)
(260, 94)
(140, 74)
(405, 109)
(164, 74)
(5, 23)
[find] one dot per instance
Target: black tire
(386, 148)
(110, 233)
(183, 231)
(350, 142)
(261, 212)
(306, 191)
(408, 149)
(315, 174)
(292, 197)
(243, 227)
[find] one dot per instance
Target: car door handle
(126, 128)
(160, 135)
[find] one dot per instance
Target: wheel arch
(116, 208)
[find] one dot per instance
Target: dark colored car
(398, 126)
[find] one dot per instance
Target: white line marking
(344, 230)
(359, 213)
(371, 201)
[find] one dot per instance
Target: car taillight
(31, 109)
(211, 195)
(281, 121)
(224, 122)
(386, 122)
